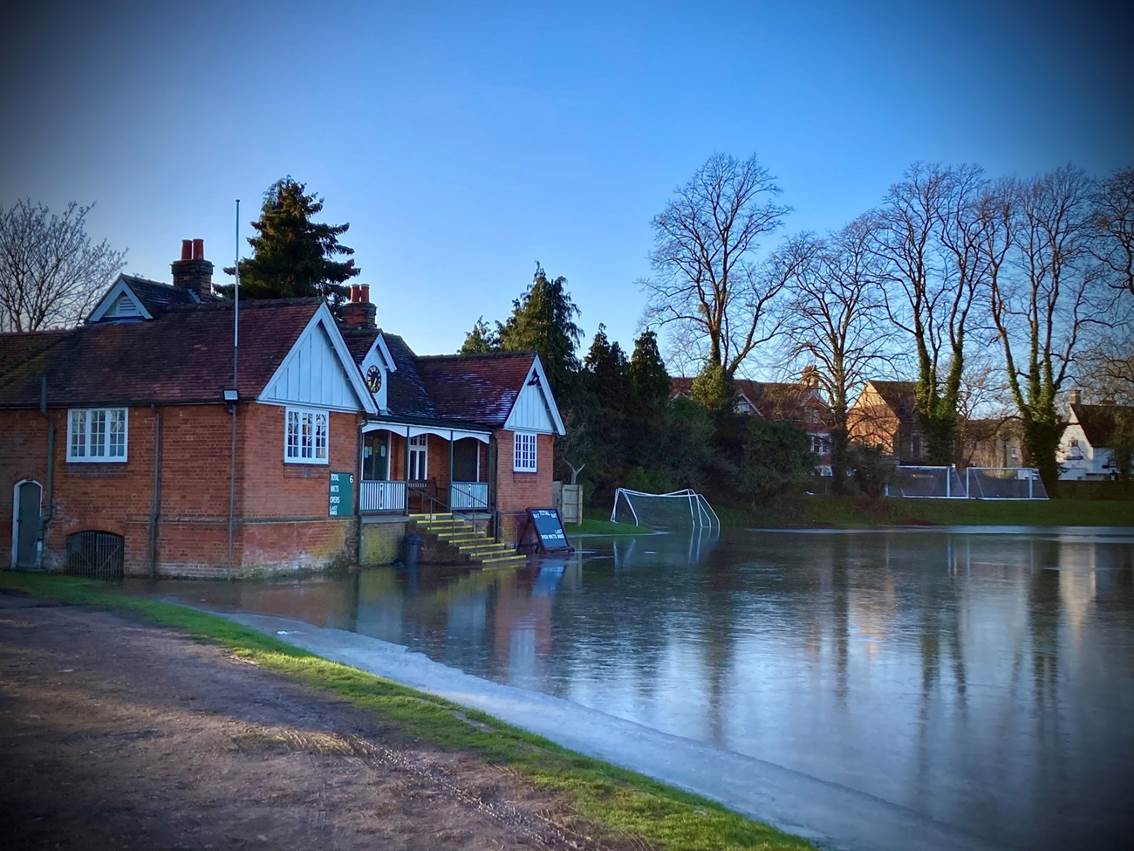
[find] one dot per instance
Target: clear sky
(463, 142)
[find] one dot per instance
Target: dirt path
(116, 735)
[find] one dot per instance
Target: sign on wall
(342, 495)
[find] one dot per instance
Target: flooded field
(983, 680)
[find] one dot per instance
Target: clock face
(374, 379)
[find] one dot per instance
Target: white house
(1086, 448)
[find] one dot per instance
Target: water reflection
(986, 681)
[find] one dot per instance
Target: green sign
(342, 495)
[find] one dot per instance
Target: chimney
(193, 272)
(1075, 397)
(359, 312)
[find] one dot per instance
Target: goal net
(926, 483)
(677, 510)
(1004, 483)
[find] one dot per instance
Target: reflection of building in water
(522, 618)
(674, 549)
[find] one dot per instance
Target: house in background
(1086, 449)
(127, 440)
(884, 416)
(801, 404)
(988, 443)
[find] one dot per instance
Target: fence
(920, 482)
(96, 554)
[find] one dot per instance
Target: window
(305, 436)
(96, 434)
(419, 458)
(524, 453)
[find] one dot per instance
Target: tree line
(985, 291)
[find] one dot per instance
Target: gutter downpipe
(235, 385)
(155, 504)
(49, 509)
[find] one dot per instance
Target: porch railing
(465, 496)
(382, 496)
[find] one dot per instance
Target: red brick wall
(517, 492)
(285, 504)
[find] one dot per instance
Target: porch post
(405, 472)
(449, 496)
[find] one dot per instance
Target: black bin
(411, 549)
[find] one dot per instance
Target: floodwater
(983, 680)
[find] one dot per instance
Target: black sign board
(548, 528)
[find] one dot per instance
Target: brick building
(127, 439)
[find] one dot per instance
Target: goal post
(675, 510)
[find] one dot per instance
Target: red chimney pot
(364, 292)
(198, 249)
(186, 249)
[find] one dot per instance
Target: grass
(609, 799)
(852, 513)
(597, 524)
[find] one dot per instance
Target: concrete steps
(470, 543)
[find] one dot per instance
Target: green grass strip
(593, 526)
(608, 798)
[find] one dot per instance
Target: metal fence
(95, 554)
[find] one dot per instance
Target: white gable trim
(536, 371)
(118, 288)
(323, 317)
(380, 344)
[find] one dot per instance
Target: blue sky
(465, 142)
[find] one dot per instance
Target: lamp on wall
(231, 397)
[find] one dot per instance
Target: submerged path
(833, 816)
(117, 735)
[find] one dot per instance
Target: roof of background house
(19, 347)
(899, 395)
(183, 355)
(1099, 421)
(765, 396)
(475, 388)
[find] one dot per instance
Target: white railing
(468, 495)
(382, 496)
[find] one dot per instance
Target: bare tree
(836, 323)
(1113, 220)
(707, 281)
(927, 233)
(50, 272)
(1046, 301)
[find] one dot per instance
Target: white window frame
(313, 458)
(100, 454)
(418, 458)
(522, 460)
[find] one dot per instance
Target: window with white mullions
(524, 453)
(306, 436)
(97, 434)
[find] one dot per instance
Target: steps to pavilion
(473, 544)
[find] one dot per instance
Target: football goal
(1004, 483)
(926, 483)
(677, 510)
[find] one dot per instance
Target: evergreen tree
(714, 389)
(649, 380)
(293, 255)
(608, 369)
(543, 321)
(480, 339)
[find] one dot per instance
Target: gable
(118, 304)
(379, 357)
(535, 408)
(318, 370)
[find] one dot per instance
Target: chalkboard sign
(548, 528)
(342, 495)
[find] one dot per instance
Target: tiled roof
(475, 388)
(771, 399)
(358, 341)
(184, 355)
(18, 348)
(1099, 422)
(158, 297)
(901, 396)
(406, 395)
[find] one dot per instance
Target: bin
(411, 549)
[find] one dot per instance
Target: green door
(28, 495)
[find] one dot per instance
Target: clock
(374, 378)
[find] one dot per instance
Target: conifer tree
(480, 339)
(543, 321)
(294, 256)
